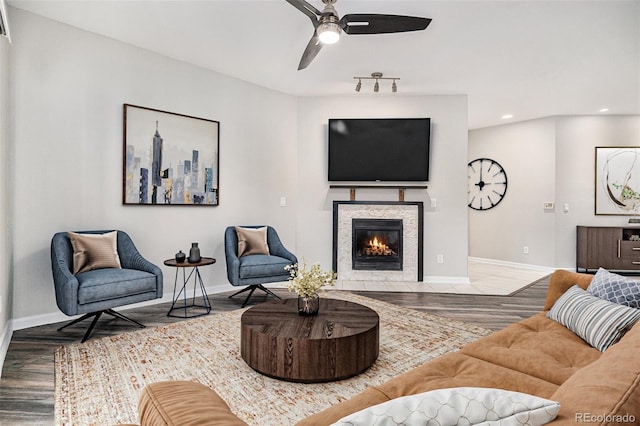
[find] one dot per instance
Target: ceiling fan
(327, 26)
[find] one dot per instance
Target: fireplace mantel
(412, 215)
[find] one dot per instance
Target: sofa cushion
(94, 251)
(185, 404)
(252, 241)
(536, 346)
(455, 406)
(107, 284)
(608, 389)
(598, 322)
(260, 265)
(615, 288)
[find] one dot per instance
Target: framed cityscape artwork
(617, 181)
(169, 159)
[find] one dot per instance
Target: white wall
(67, 93)
(526, 151)
(445, 226)
(69, 86)
(576, 139)
(549, 159)
(5, 203)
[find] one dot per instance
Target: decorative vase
(308, 305)
(180, 256)
(194, 253)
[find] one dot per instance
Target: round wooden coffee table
(340, 342)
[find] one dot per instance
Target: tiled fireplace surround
(411, 214)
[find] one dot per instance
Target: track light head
(376, 87)
(359, 85)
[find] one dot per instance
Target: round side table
(180, 305)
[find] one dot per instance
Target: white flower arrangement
(307, 282)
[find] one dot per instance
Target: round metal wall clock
(487, 183)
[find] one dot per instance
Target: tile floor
(485, 278)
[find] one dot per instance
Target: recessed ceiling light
(604, 110)
(507, 116)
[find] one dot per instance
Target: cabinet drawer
(630, 250)
(629, 254)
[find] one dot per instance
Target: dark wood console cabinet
(612, 248)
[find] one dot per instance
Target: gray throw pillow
(615, 288)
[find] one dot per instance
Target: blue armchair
(254, 270)
(98, 291)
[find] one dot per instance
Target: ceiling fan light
(328, 32)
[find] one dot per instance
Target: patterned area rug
(98, 382)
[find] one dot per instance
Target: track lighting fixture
(377, 76)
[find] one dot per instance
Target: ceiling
(531, 59)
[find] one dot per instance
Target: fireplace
(377, 244)
(378, 240)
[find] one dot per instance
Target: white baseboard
(5, 339)
(53, 317)
(526, 266)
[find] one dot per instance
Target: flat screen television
(379, 149)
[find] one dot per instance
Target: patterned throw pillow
(598, 322)
(457, 406)
(615, 288)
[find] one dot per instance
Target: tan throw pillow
(252, 241)
(94, 251)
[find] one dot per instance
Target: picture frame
(169, 159)
(617, 180)
(4, 21)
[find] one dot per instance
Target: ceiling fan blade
(310, 52)
(361, 23)
(307, 9)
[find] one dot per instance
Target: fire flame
(377, 244)
(376, 247)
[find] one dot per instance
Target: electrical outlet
(525, 250)
(440, 258)
(434, 203)
(283, 201)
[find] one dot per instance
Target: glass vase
(308, 305)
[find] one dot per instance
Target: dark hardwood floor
(26, 385)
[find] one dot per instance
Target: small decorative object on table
(307, 283)
(180, 256)
(194, 253)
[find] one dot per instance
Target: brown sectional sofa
(537, 356)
